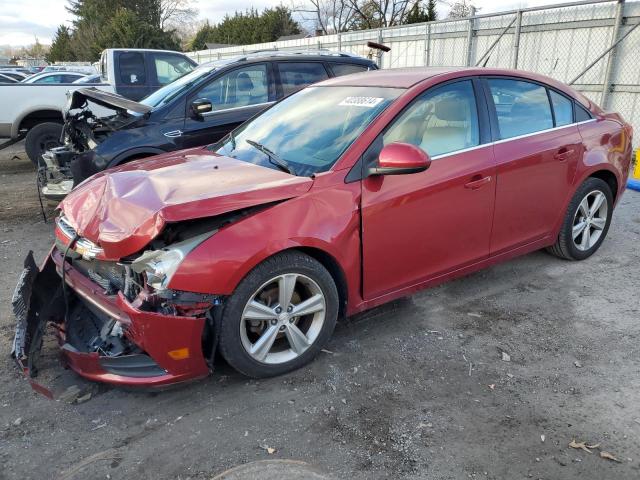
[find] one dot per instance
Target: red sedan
(342, 197)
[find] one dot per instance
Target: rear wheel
(280, 316)
(586, 221)
(41, 138)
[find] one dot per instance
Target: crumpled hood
(105, 99)
(123, 209)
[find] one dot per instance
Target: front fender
(134, 152)
(324, 219)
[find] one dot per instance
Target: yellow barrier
(634, 180)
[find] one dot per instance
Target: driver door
(236, 96)
(419, 226)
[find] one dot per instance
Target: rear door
(537, 150)
(236, 96)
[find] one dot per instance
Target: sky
(23, 20)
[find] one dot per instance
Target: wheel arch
(329, 262)
(324, 257)
(34, 117)
(603, 171)
(610, 178)
(134, 154)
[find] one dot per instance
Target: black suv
(196, 109)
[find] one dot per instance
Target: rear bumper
(156, 337)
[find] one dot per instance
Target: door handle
(173, 134)
(563, 154)
(477, 182)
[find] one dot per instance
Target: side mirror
(399, 159)
(200, 106)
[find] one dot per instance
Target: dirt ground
(417, 389)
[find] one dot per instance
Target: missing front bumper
(36, 300)
(143, 356)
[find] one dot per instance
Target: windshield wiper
(273, 158)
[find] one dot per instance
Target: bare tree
(381, 13)
(328, 16)
(177, 14)
(460, 9)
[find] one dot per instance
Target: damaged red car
(341, 197)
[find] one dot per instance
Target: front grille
(109, 275)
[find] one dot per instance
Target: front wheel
(280, 316)
(586, 221)
(41, 138)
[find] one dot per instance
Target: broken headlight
(160, 265)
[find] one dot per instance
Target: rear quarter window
(582, 114)
(340, 69)
(297, 75)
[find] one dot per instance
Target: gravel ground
(417, 389)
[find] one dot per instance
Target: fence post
(472, 13)
(611, 58)
(380, 39)
(339, 41)
(427, 45)
(516, 39)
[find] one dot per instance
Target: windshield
(309, 130)
(170, 91)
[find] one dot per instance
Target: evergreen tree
(247, 27)
(61, 48)
(100, 24)
(420, 14)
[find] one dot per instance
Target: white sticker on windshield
(367, 102)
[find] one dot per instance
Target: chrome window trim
(233, 109)
(504, 140)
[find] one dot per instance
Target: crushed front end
(111, 326)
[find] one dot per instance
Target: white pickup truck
(35, 111)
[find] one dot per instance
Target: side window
(70, 78)
(295, 76)
(170, 67)
(49, 79)
(442, 120)
(522, 107)
(582, 114)
(340, 69)
(132, 71)
(238, 88)
(562, 108)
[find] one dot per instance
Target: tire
(243, 325)
(41, 138)
(574, 247)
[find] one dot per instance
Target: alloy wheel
(283, 318)
(590, 220)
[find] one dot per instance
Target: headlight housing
(159, 266)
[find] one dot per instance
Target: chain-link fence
(592, 44)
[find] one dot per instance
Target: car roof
(396, 77)
(286, 55)
(408, 77)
